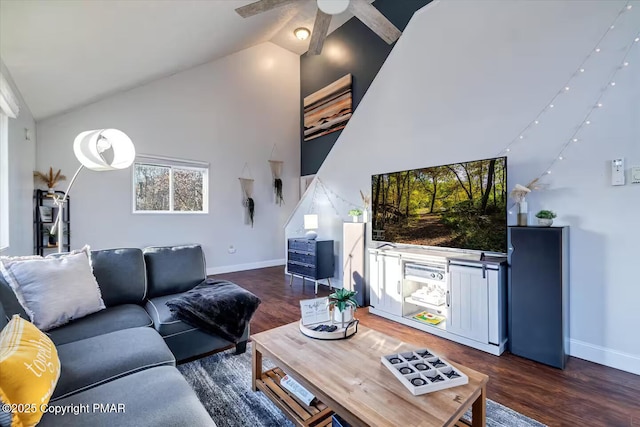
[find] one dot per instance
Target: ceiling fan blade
(376, 21)
(320, 30)
(261, 6)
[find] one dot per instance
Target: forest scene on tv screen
(462, 205)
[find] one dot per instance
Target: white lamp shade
(333, 7)
(311, 222)
(91, 149)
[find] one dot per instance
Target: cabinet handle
(484, 271)
(398, 287)
(447, 299)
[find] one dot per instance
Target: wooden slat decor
(315, 415)
(328, 109)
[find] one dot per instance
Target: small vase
(51, 191)
(522, 213)
(545, 222)
(365, 216)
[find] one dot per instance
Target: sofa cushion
(29, 368)
(54, 291)
(173, 269)
(163, 320)
(4, 319)
(96, 360)
(154, 397)
(10, 301)
(121, 275)
(105, 321)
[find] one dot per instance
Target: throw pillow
(216, 306)
(29, 369)
(54, 290)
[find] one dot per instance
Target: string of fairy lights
(514, 143)
(566, 87)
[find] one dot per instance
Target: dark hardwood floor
(585, 393)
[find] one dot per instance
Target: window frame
(4, 182)
(171, 163)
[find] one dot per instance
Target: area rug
(223, 384)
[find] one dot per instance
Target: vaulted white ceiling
(63, 54)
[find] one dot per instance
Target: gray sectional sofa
(126, 353)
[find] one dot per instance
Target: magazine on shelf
(296, 388)
(426, 317)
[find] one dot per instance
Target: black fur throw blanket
(216, 306)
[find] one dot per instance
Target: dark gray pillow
(216, 306)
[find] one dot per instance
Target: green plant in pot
(355, 213)
(344, 304)
(545, 218)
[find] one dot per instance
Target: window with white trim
(165, 185)
(4, 181)
(9, 108)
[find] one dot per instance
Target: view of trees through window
(169, 188)
(462, 205)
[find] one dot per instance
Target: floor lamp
(98, 150)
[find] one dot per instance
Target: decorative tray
(329, 332)
(421, 371)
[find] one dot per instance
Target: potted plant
(545, 218)
(355, 213)
(344, 303)
(49, 178)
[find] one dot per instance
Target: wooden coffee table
(347, 377)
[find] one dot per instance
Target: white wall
(463, 80)
(228, 112)
(22, 160)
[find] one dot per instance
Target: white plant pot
(354, 218)
(348, 315)
(545, 222)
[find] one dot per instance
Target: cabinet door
(468, 298)
(375, 281)
(392, 285)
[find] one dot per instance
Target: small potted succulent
(545, 218)
(344, 303)
(355, 213)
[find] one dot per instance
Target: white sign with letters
(314, 310)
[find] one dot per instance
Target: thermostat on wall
(635, 175)
(617, 172)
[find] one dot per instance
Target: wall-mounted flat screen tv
(461, 205)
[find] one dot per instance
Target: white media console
(460, 297)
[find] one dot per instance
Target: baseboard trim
(605, 356)
(248, 266)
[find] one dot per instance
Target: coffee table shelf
(316, 415)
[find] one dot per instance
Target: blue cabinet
(538, 293)
(310, 259)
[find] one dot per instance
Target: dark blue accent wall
(352, 48)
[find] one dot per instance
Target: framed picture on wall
(328, 109)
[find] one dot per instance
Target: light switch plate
(635, 175)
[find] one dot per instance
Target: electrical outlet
(231, 249)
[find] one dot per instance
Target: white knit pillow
(54, 290)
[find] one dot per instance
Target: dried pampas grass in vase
(518, 194)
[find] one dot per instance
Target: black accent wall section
(352, 48)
